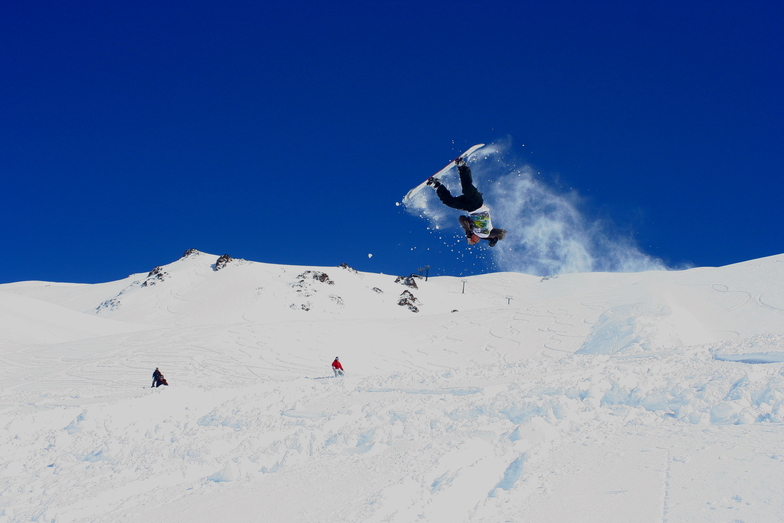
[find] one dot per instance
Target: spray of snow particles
(547, 232)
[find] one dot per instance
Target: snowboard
(440, 173)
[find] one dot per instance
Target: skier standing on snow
(477, 224)
(158, 379)
(337, 368)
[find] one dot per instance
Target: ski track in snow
(580, 402)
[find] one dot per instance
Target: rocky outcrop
(408, 281)
(155, 276)
(223, 261)
(305, 282)
(346, 266)
(323, 277)
(305, 306)
(109, 305)
(407, 299)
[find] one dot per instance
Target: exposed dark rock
(109, 305)
(223, 261)
(345, 266)
(190, 252)
(377, 290)
(304, 284)
(316, 275)
(408, 300)
(155, 276)
(303, 306)
(409, 281)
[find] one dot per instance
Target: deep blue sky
(285, 132)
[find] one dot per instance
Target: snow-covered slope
(25, 321)
(651, 396)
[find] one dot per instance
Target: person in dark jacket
(158, 379)
(477, 224)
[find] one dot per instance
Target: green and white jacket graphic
(480, 222)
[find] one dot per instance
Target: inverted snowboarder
(477, 224)
(337, 368)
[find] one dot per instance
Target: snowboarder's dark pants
(470, 200)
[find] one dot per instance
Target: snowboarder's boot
(434, 182)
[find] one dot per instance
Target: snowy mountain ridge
(650, 309)
(256, 291)
(654, 396)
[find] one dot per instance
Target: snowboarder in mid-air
(337, 368)
(477, 224)
(158, 379)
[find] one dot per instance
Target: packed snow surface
(653, 396)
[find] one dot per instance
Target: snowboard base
(443, 171)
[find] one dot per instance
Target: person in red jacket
(337, 368)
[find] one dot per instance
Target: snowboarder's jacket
(480, 221)
(478, 227)
(336, 364)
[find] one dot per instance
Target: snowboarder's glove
(493, 241)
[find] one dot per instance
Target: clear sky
(285, 132)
